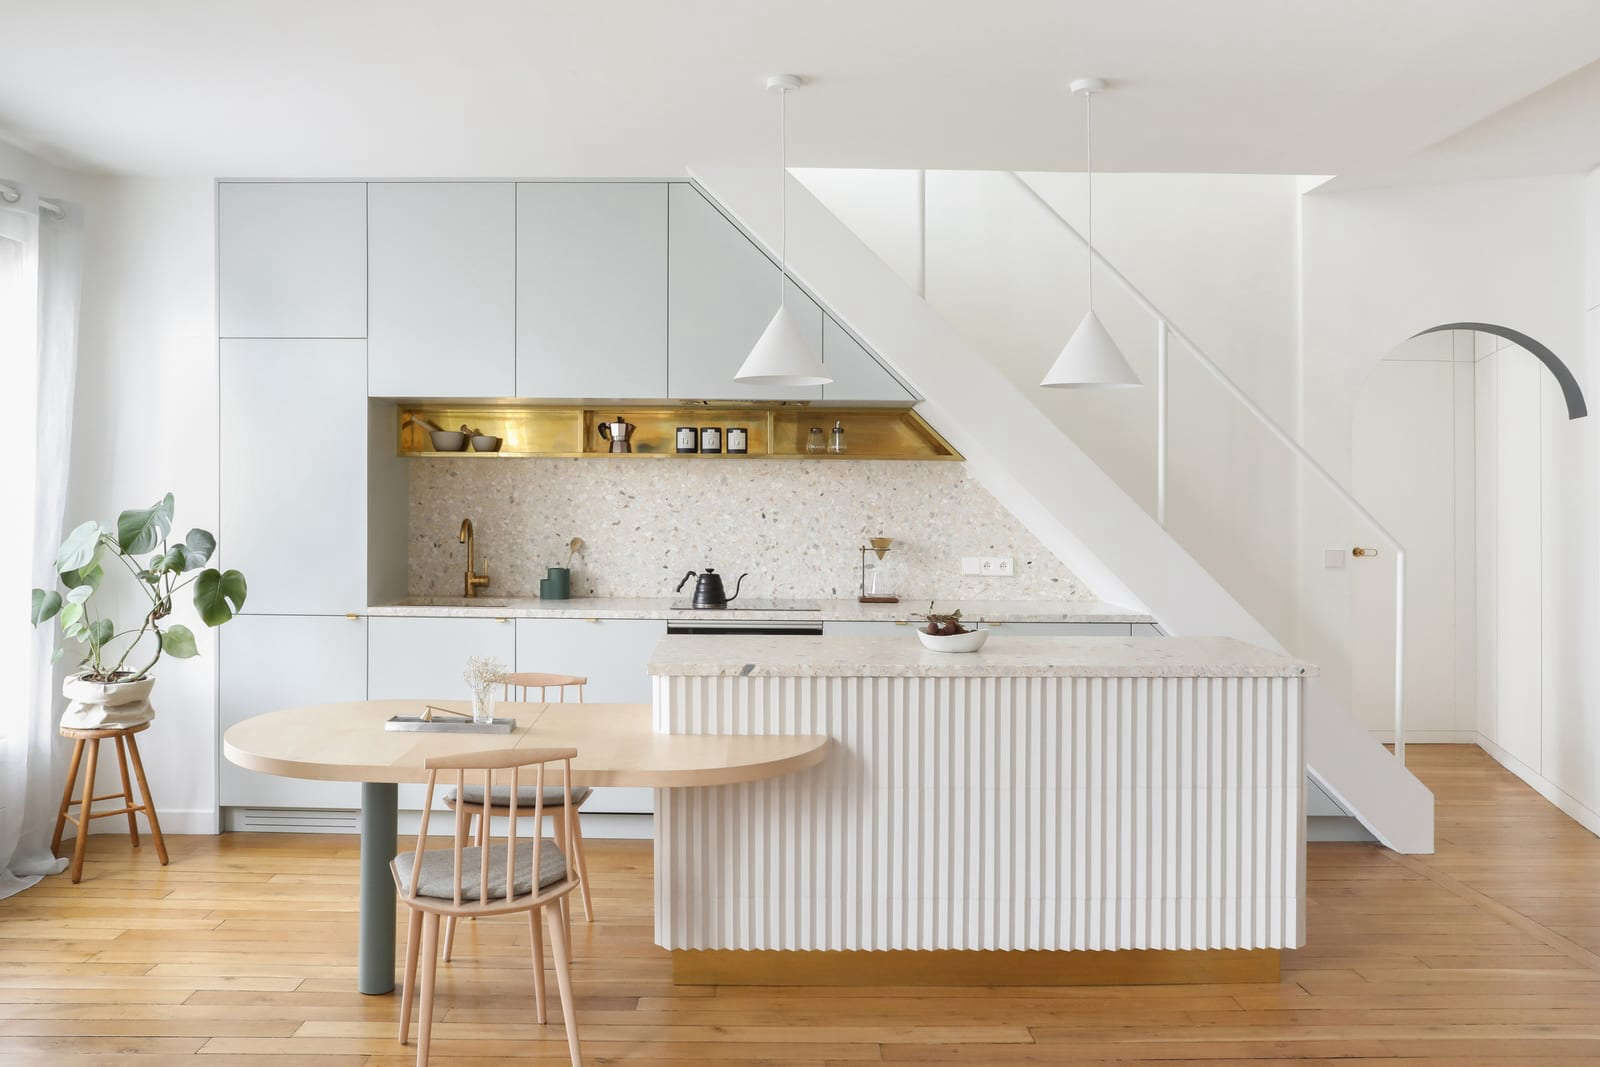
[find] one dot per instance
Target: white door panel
(1403, 463)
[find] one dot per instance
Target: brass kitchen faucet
(472, 580)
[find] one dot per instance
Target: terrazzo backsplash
(795, 526)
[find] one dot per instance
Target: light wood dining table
(616, 746)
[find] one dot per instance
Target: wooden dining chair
(488, 878)
(472, 797)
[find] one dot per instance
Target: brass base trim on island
(971, 967)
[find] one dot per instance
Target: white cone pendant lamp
(782, 355)
(1091, 359)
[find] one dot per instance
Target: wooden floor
(243, 949)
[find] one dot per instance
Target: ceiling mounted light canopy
(1091, 359)
(782, 355)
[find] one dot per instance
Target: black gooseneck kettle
(708, 591)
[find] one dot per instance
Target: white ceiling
(647, 87)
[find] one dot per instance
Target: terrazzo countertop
(1004, 656)
(831, 610)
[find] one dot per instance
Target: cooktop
(753, 604)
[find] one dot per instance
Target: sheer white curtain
(40, 277)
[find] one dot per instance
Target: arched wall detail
(1576, 408)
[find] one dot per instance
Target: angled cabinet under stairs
(724, 291)
(856, 375)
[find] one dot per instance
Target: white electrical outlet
(987, 566)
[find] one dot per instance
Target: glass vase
(483, 705)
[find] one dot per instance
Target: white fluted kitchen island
(1050, 809)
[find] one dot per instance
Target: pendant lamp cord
(783, 195)
(1088, 168)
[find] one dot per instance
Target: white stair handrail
(1165, 328)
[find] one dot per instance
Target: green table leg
(379, 804)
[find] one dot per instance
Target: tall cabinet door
(272, 662)
(592, 289)
(443, 288)
(292, 259)
(294, 473)
(612, 654)
(722, 292)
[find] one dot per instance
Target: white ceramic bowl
(967, 642)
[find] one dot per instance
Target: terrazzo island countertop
(1003, 656)
(831, 610)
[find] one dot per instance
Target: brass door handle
(1363, 552)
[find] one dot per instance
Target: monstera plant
(116, 652)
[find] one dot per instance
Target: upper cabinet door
(294, 473)
(292, 259)
(592, 289)
(443, 289)
(723, 291)
(856, 375)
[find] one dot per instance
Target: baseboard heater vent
(294, 821)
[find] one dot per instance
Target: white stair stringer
(1073, 507)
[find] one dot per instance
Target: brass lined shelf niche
(776, 431)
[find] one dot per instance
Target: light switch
(1333, 559)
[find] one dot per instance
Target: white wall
(1568, 768)
(1377, 267)
(1380, 265)
(146, 424)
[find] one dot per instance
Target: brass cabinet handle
(1363, 552)
(352, 615)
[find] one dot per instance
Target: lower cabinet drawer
(422, 659)
(612, 654)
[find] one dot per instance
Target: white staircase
(1077, 510)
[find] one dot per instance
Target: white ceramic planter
(967, 642)
(106, 705)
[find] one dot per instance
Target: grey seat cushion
(553, 796)
(438, 871)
